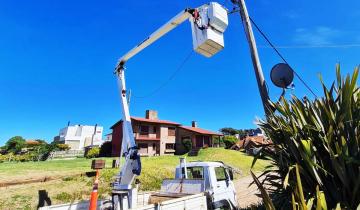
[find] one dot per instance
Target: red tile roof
(32, 142)
(200, 130)
(140, 119)
(256, 139)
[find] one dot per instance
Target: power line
(312, 46)
(282, 57)
(172, 76)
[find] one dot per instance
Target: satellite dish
(282, 75)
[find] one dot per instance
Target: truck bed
(146, 201)
(173, 201)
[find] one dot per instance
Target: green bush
(229, 141)
(2, 158)
(187, 143)
(15, 144)
(93, 152)
(62, 147)
(320, 139)
(106, 149)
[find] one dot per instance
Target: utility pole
(254, 54)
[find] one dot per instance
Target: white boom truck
(208, 23)
(197, 185)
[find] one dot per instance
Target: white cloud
(320, 35)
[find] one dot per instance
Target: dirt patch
(246, 195)
(41, 179)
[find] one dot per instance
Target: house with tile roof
(161, 137)
(200, 138)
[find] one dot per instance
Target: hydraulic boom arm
(132, 165)
(208, 23)
(170, 25)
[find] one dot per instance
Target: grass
(72, 187)
(10, 171)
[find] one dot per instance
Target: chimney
(151, 115)
(194, 124)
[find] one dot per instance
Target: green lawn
(77, 188)
(22, 170)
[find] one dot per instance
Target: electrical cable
(282, 57)
(172, 76)
(313, 46)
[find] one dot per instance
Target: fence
(66, 154)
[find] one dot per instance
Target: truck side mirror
(231, 174)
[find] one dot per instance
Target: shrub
(62, 147)
(15, 144)
(320, 139)
(2, 158)
(24, 157)
(229, 141)
(106, 149)
(93, 152)
(187, 143)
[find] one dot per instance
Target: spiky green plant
(322, 137)
(297, 197)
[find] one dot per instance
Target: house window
(169, 146)
(171, 131)
(143, 148)
(154, 129)
(144, 130)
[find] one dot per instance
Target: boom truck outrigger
(208, 23)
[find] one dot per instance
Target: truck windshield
(195, 172)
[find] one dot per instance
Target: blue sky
(57, 59)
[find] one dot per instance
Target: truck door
(224, 191)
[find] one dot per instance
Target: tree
(229, 141)
(106, 149)
(15, 144)
(42, 151)
(242, 133)
(227, 131)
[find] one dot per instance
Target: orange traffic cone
(94, 193)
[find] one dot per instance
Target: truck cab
(216, 180)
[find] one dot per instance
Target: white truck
(205, 185)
